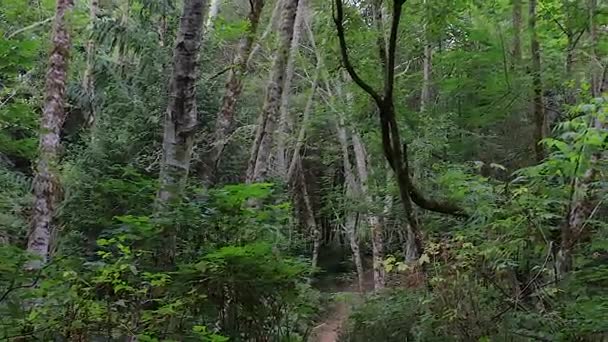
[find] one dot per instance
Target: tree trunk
(352, 194)
(283, 133)
(373, 220)
(427, 66)
(46, 185)
(309, 215)
(540, 129)
(181, 117)
(596, 67)
(234, 87)
(259, 160)
(516, 23)
(88, 80)
(272, 23)
(214, 10)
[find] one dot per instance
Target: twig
(29, 27)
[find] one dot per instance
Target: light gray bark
(46, 185)
(373, 220)
(352, 194)
(283, 132)
(181, 116)
(214, 10)
(307, 108)
(259, 160)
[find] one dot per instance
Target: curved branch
(434, 205)
(338, 16)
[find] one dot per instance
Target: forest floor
(345, 295)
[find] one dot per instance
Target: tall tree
(88, 80)
(46, 185)
(257, 169)
(537, 85)
(394, 149)
(181, 117)
(516, 24)
(374, 221)
(284, 121)
(234, 86)
(352, 194)
(214, 11)
(597, 72)
(427, 63)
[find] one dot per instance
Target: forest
(304, 170)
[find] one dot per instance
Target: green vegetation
(303, 170)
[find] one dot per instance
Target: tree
(394, 151)
(234, 87)
(181, 118)
(46, 185)
(257, 169)
(540, 122)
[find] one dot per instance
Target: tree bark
(46, 184)
(88, 80)
(234, 86)
(373, 220)
(214, 10)
(596, 67)
(272, 23)
(281, 154)
(259, 160)
(181, 117)
(352, 194)
(540, 129)
(427, 67)
(309, 215)
(516, 23)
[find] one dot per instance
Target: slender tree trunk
(537, 88)
(309, 215)
(272, 23)
(281, 154)
(214, 10)
(181, 117)
(516, 23)
(305, 122)
(352, 194)
(234, 86)
(46, 185)
(427, 67)
(88, 80)
(596, 67)
(259, 160)
(373, 220)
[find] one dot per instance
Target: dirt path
(329, 330)
(346, 295)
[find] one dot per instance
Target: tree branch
(29, 27)
(338, 16)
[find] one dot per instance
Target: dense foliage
(252, 248)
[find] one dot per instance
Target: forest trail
(329, 329)
(345, 295)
